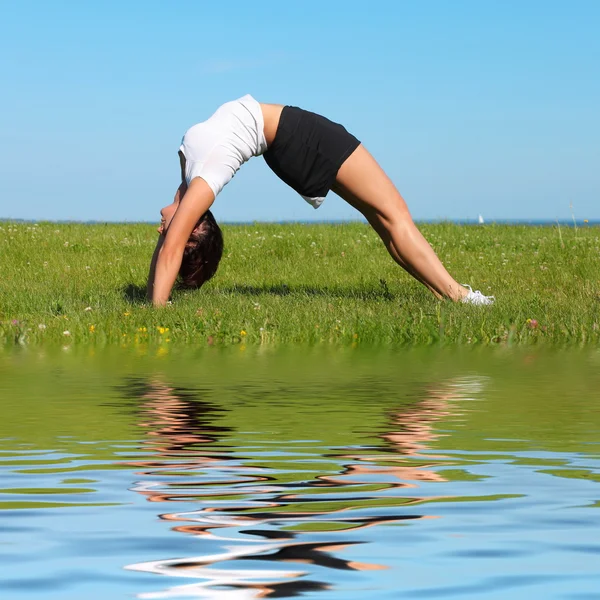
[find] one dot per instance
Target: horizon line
(562, 222)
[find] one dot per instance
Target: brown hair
(202, 253)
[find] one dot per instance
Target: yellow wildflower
(92, 328)
(243, 333)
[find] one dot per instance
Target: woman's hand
(198, 198)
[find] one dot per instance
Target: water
(320, 474)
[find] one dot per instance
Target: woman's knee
(396, 218)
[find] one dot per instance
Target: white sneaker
(476, 297)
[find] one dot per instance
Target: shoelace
(478, 294)
(477, 297)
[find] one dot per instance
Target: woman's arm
(161, 230)
(197, 200)
(151, 274)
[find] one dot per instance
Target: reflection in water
(253, 513)
(276, 477)
(415, 430)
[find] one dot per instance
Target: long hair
(202, 253)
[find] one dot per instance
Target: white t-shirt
(216, 148)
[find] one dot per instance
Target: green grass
(299, 284)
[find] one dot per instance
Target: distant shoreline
(531, 222)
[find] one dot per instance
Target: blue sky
(471, 106)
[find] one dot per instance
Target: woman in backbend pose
(309, 153)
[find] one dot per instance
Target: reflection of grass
(70, 469)
(573, 474)
(461, 475)
(333, 508)
(66, 481)
(46, 491)
(30, 505)
(343, 504)
(348, 488)
(315, 284)
(491, 498)
(323, 526)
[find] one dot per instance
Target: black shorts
(308, 151)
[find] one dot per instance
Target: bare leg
(363, 184)
(380, 229)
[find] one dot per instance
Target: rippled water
(333, 475)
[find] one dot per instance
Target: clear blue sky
(471, 106)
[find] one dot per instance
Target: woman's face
(166, 216)
(168, 212)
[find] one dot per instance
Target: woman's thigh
(364, 184)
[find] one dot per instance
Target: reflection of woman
(415, 430)
(180, 428)
(417, 422)
(309, 153)
(175, 418)
(180, 425)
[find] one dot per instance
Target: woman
(309, 153)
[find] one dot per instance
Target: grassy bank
(305, 284)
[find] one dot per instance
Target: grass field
(73, 284)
